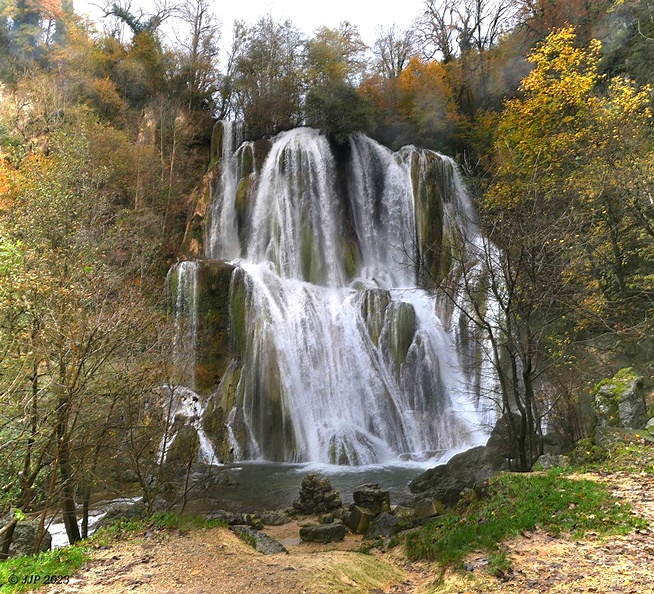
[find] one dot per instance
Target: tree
(465, 30)
(334, 63)
(69, 315)
(571, 259)
(197, 69)
(264, 82)
(393, 49)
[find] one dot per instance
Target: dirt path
(215, 561)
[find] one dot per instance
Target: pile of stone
(370, 514)
(370, 502)
(317, 496)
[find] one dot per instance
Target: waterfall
(185, 290)
(338, 356)
(222, 239)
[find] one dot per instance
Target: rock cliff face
(302, 328)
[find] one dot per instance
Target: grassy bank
(515, 503)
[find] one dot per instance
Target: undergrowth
(517, 503)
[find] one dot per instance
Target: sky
(306, 15)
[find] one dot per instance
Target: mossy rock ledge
(214, 348)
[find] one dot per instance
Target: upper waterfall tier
(330, 216)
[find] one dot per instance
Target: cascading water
(338, 356)
(186, 316)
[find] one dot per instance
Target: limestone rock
(547, 461)
(620, 401)
(24, 538)
(324, 533)
(382, 526)
(372, 497)
(229, 518)
(260, 541)
(317, 496)
(605, 437)
(359, 519)
(274, 518)
(403, 512)
(428, 507)
(464, 471)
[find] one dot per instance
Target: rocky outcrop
(466, 470)
(620, 401)
(383, 526)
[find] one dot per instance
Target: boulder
(260, 541)
(24, 538)
(229, 518)
(620, 401)
(403, 512)
(382, 526)
(373, 498)
(464, 471)
(428, 507)
(606, 437)
(502, 438)
(359, 519)
(324, 533)
(547, 461)
(274, 518)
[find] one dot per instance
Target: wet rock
(382, 526)
(464, 471)
(373, 498)
(324, 533)
(260, 541)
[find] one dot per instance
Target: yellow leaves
(560, 67)
(8, 177)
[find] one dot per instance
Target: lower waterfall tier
(330, 375)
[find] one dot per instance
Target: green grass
(519, 503)
(20, 574)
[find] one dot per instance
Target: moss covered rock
(620, 401)
(214, 349)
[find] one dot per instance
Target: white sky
(306, 15)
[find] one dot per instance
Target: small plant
(499, 564)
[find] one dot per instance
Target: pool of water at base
(258, 486)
